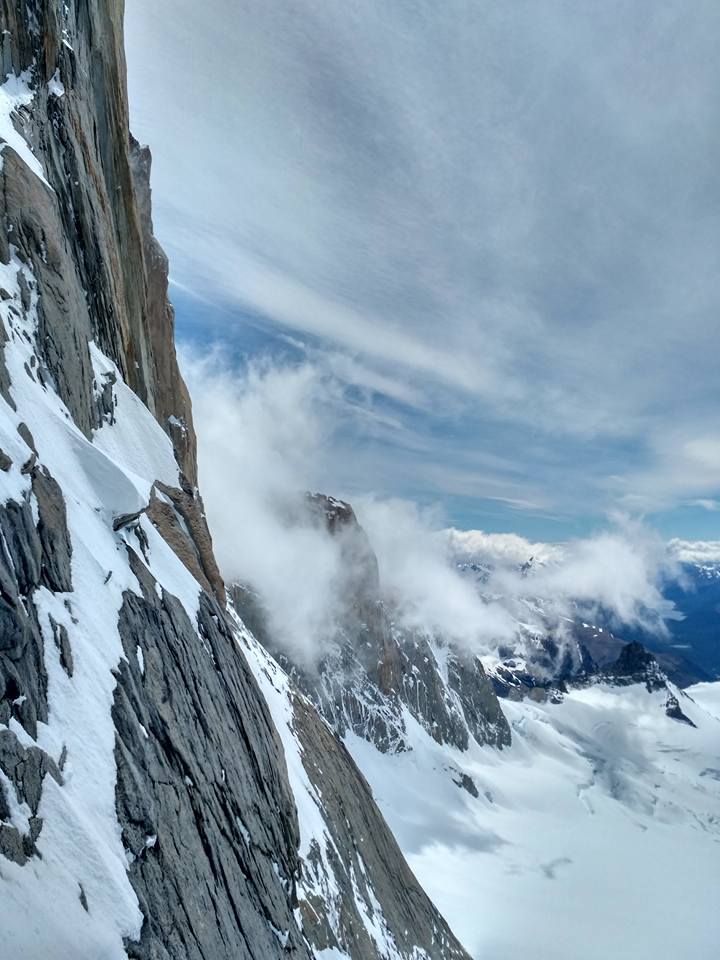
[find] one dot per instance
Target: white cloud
(684, 465)
(499, 549)
(695, 551)
(421, 583)
(260, 443)
(270, 434)
(618, 572)
(710, 505)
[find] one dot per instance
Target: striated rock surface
(206, 813)
(80, 219)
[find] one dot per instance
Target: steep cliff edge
(136, 753)
(145, 805)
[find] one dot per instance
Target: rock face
(36, 554)
(356, 895)
(604, 647)
(85, 228)
(369, 869)
(200, 775)
(373, 670)
(636, 665)
(145, 804)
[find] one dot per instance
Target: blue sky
(493, 230)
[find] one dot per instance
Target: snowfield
(707, 695)
(80, 843)
(596, 835)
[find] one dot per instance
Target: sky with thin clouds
(491, 231)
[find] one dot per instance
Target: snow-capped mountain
(686, 644)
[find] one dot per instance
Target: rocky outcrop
(36, 552)
(171, 398)
(190, 513)
(25, 769)
(675, 711)
(203, 802)
(548, 678)
(604, 647)
(636, 665)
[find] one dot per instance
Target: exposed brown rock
(101, 274)
(172, 400)
(166, 520)
(190, 507)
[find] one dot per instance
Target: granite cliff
(149, 791)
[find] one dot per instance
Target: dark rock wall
(370, 867)
(86, 236)
(203, 800)
(34, 554)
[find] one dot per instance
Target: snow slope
(80, 846)
(595, 835)
(15, 94)
(707, 695)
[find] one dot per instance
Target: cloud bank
(268, 435)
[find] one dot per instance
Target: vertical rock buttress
(199, 766)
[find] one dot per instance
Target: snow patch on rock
(80, 844)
